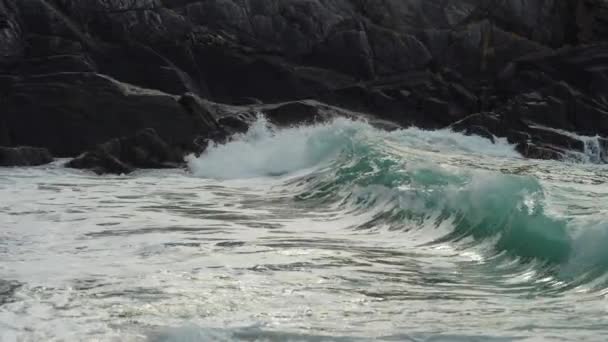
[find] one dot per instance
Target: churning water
(334, 232)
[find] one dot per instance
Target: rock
(12, 44)
(235, 124)
(70, 113)
(490, 122)
(479, 131)
(77, 74)
(346, 51)
(295, 113)
(603, 145)
(556, 138)
(123, 155)
(530, 150)
(24, 156)
(100, 163)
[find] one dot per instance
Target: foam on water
(267, 151)
(264, 151)
(392, 172)
(334, 232)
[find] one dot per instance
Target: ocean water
(334, 232)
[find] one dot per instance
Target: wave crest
(267, 151)
(402, 180)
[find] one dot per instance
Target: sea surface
(333, 232)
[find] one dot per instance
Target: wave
(401, 181)
(265, 150)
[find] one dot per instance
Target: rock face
(78, 73)
(73, 111)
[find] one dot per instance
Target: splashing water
(332, 232)
(265, 151)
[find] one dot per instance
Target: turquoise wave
(405, 178)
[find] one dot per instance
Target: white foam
(266, 151)
(446, 140)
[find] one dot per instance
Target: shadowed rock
(123, 155)
(24, 156)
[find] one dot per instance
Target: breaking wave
(403, 181)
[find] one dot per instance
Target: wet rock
(296, 113)
(76, 74)
(24, 156)
(101, 163)
(479, 131)
(70, 113)
(235, 124)
(603, 145)
(530, 150)
(123, 155)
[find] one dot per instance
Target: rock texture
(77, 73)
(24, 156)
(122, 155)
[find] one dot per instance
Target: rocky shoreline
(124, 84)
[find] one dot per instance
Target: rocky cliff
(77, 73)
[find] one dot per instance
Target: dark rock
(479, 131)
(603, 145)
(76, 74)
(122, 155)
(530, 150)
(72, 112)
(557, 139)
(235, 124)
(200, 110)
(24, 156)
(346, 51)
(39, 46)
(295, 113)
(100, 163)
(57, 63)
(246, 101)
(491, 123)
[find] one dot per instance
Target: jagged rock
(24, 156)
